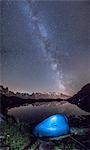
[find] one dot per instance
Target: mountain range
(10, 99)
(45, 95)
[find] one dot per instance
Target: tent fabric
(53, 126)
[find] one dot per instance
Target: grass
(12, 136)
(16, 138)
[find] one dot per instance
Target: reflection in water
(35, 114)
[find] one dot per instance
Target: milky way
(45, 45)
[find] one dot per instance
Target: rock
(4, 148)
(2, 118)
(47, 146)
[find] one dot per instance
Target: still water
(38, 112)
(33, 114)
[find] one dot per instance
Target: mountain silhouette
(37, 95)
(82, 98)
(10, 99)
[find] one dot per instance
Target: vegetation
(16, 138)
(13, 137)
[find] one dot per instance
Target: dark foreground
(18, 136)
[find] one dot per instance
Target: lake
(38, 112)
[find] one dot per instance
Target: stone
(47, 146)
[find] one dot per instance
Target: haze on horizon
(45, 45)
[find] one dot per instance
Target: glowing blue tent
(56, 125)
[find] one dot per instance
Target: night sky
(45, 45)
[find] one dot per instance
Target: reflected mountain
(9, 99)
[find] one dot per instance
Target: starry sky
(45, 45)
